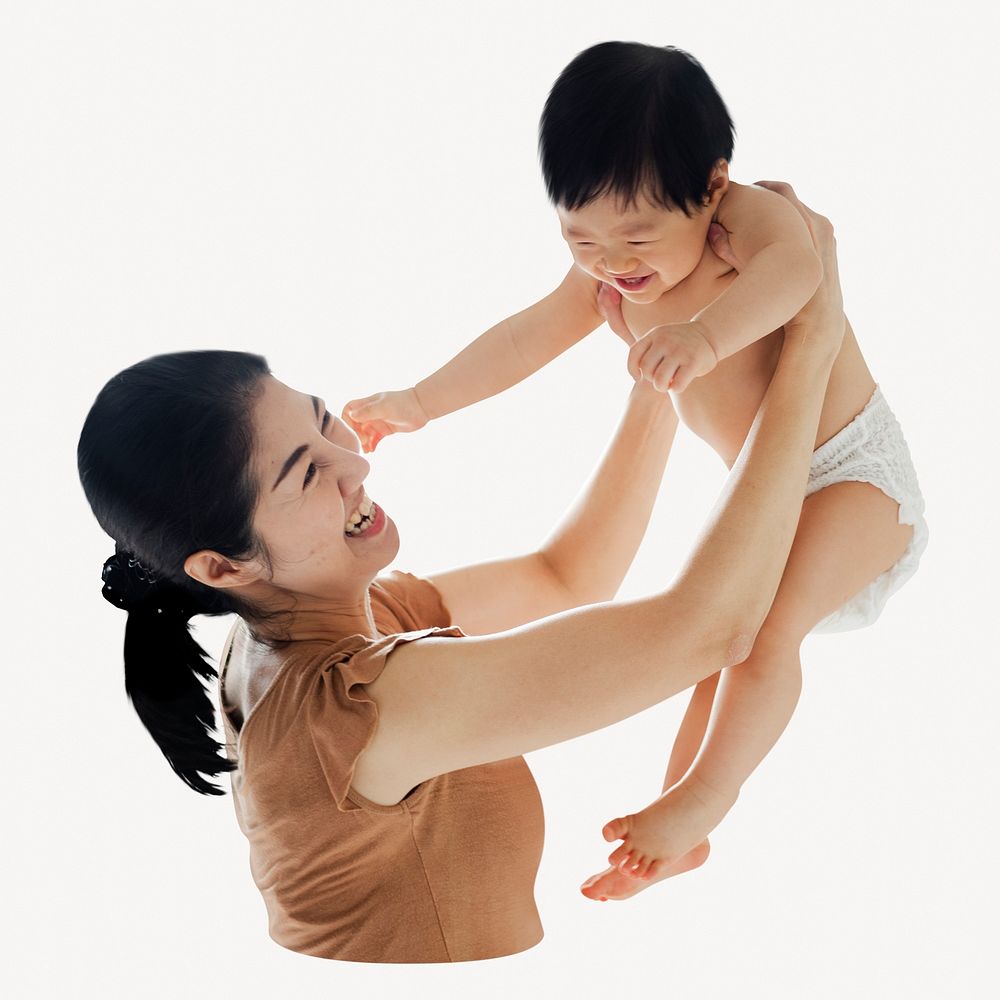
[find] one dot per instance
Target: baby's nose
(620, 265)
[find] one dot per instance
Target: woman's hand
(609, 301)
(819, 324)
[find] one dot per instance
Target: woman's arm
(587, 555)
(445, 704)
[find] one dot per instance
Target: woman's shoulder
(318, 685)
(402, 602)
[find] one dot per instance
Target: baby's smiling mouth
(633, 284)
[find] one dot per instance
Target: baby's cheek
(586, 266)
(678, 267)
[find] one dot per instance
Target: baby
(635, 144)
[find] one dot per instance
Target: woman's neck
(313, 618)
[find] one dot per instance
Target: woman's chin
(386, 546)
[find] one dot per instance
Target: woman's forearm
(592, 547)
(734, 571)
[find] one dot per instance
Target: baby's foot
(667, 829)
(612, 884)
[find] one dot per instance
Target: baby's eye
(639, 243)
(579, 244)
(310, 475)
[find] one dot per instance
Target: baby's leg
(613, 883)
(848, 534)
(692, 730)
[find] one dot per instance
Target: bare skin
(836, 553)
(541, 628)
(704, 325)
(848, 534)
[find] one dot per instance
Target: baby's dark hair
(625, 118)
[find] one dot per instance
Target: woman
(376, 747)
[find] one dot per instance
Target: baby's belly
(721, 406)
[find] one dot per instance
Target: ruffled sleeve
(340, 716)
(402, 602)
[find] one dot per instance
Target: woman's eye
(310, 474)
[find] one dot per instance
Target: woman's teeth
(361, 518)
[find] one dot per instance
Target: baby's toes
(620, 856)
(617, 829)
(641, 869)
(654, 869)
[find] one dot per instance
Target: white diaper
(871, 449)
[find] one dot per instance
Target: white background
(353, 191)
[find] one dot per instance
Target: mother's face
(311, 482)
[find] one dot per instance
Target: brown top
(445, 875)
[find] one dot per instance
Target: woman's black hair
(165, 460)
(625, 118)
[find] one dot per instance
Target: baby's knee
(777, 642)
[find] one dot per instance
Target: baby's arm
(500, 358)
(781, 274)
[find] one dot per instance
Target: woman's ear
(215, 570)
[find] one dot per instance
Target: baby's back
(720, 407)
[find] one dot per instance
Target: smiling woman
(375, 747)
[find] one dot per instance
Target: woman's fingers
(819, 225)
(718, 240)
(609, 301)
(825, 310)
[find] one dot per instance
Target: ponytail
(163, 670)
(166, 462)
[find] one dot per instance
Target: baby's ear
(718, 184)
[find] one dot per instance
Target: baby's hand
(375, 417)
(672, 356)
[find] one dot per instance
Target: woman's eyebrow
(298, 453)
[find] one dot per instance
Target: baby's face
(643, 250)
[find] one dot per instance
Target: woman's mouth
(368, 519)
(633, 284)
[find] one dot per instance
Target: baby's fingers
(360, 409)
(637, 357)
(376, 430)
(348, 419)
(683, 377)
(664, 376)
